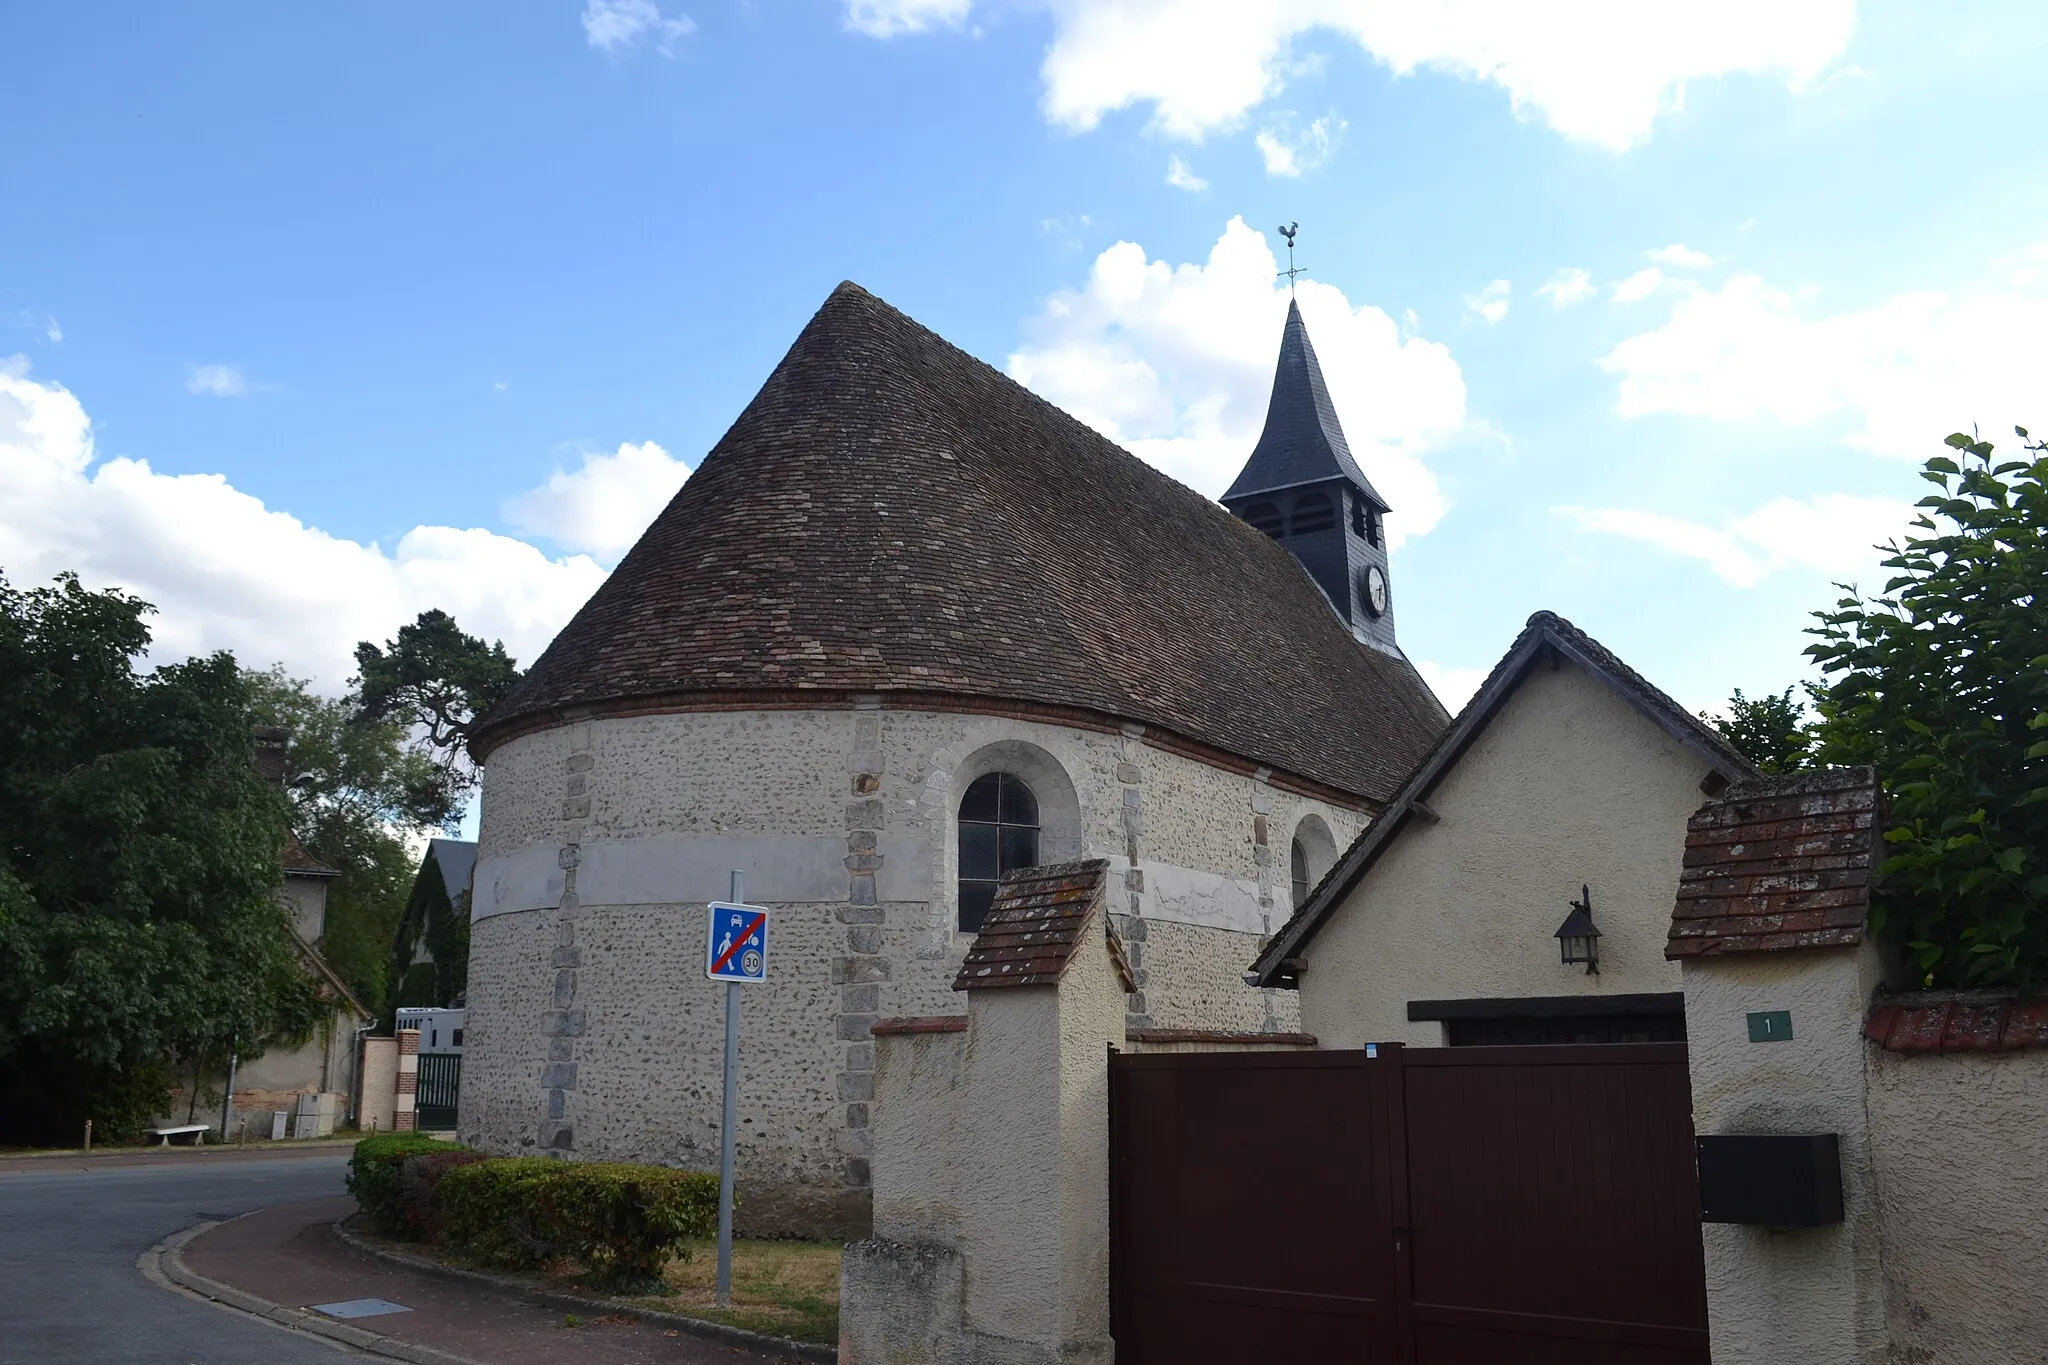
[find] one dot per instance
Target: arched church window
(1264, 516)
(1297, 860)
(998, 834)
(1312, 512)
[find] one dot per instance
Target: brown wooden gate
(1440, 1206)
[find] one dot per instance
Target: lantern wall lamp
(1578, 939)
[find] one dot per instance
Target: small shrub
(419, 1182)
(375, 1175)
(621, 1222)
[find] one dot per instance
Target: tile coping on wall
(1968, 1022)
(924, 1023)
(957, 1023)
(1204, 1035)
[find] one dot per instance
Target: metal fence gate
(440, 1084)
(1435, 1206)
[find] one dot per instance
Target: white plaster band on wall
(1183, 895)
(799, 870)
(781, 869)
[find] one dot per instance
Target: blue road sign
(737, 949)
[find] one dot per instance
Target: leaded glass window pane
(998, 834)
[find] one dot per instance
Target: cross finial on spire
(1292, 269)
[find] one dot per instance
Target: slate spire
(1303, 442)
(1302, 487)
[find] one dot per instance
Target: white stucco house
(1567, 775)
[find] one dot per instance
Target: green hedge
(376, 1175)
(419, 1190)
(622, 1222)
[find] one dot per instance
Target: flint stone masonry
(592, 1030)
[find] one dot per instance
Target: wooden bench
(195, 1131)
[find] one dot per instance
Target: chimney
(270, 740)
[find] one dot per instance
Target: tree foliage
(1770, 731)
(437, 680)
(361, 798)
(1942, 682)
(141, 924)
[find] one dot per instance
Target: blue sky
(1643, 314)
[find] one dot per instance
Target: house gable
(1567, 770)
(1548, 641)
(1569, 786)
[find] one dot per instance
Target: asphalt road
(69, 1287)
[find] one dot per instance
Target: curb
(218, 1152)
(716, 1332)
(165, 1265)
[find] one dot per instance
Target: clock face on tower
(1375, 590)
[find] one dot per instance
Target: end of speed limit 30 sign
(737, 947)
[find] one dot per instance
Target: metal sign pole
(729, 1123)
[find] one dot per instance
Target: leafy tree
(1942, 681)
(361, 798)
(141, 921)
(437, 679)
(1770, 731)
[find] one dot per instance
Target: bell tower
(1302, 488)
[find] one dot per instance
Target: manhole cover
(360, 1308)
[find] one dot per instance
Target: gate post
(1774, 1029)
(991, 1154)
(406, 1117)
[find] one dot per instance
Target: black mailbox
(1783, 1180)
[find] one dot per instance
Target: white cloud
(1181, 178)
(1290, 154)
(610, 24)
(1568, 286)
(219, 381)
(1681, 257)
(1599, 71)
(1453, 686)
(1176, 363)
(53, 332)
(226, 572)
(1903, 372)
(1490, 304)
(1835, 533)
(1639, 286)
(887, 18)
(602, 507)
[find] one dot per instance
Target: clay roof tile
(890, 515)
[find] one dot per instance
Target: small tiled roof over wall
(1779, 863)
(1038, 922)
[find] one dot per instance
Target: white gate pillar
(991, 1162)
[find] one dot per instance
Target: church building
(906, 628)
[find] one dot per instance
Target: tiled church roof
(890, 515)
